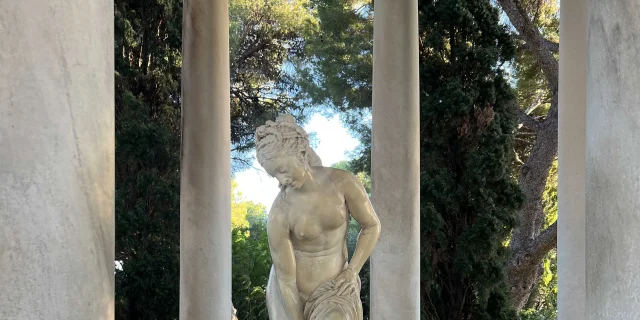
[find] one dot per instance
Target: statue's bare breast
(318, 225)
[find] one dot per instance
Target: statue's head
(282, 149)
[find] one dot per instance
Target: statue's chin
(293, 185)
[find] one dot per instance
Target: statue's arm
(362, 211)
(284, 262)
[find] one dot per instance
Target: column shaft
(613, 161)
(56, 160)
(205, 184)
(395, 161)
(571, 160)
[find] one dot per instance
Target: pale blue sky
(334, 141)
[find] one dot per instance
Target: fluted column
(56, 159)
(395, 161)
(205, 177)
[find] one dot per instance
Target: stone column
(205, 180)
(56, 160)
(395, 161)
(613, 161)
(571, 160)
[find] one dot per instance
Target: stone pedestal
(613, 161)
(205, 181)
(56, 160)
(395, 162)
(571, 160)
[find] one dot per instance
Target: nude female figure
(311, 277)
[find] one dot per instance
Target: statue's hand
(346, 282)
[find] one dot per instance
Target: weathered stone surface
(205, 169)
(571, 160)
(612, 162)
(56, 160)
(395, 162)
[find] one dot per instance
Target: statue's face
(288, 169)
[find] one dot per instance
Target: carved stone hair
(284, 137)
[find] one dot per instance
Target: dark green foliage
(352, 241)
(338, 68)
(264, 36)
(468, 198)
(251, 265)
(147, 41)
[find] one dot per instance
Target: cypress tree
(468, 195)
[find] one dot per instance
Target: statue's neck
(310, 182)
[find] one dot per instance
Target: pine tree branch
(536, 103)
(529, 256)
(552, 115)
(527, 120)
(528, 250)
(535, 42)
(545, 241)
(524, 267)
(554, 47)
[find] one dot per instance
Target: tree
(251, 257)
(468, 195)
(264, 37)
(338, 67)
(244, 212)
(536, 23)
(147, 62)
(251, 265)
(542, 303)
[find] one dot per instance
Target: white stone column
(56, 160)
(571, 160)
(395, 161)
(613, 161)
(205, 178)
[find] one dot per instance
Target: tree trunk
(529, 246)
(529, 243)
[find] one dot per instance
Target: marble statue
(311, 277)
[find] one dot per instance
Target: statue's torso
(318, 223)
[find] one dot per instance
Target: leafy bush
(251, 264)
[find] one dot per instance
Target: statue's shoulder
(279, 207)
(340, 176)
(277, 219)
